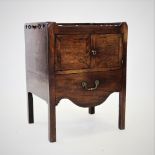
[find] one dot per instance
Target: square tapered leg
(91, 110)
(30, 108)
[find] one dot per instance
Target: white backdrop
(78, 133)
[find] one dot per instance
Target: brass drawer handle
(84, 85)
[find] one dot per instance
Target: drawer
(88, 51)
(87, 89)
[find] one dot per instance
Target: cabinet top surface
(79, 24)
(75, 28)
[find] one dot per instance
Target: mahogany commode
(79, 61)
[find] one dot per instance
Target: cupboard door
(106, 50)
(72, 52)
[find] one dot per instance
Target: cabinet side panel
(36, 53)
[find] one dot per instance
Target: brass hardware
(94, 52)
(84, 85)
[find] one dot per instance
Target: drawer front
(72, 52)
(87, 89)
(108, 50)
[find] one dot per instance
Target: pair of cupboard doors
(88, 51)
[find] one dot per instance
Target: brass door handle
(93, 52)
(84, 85)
